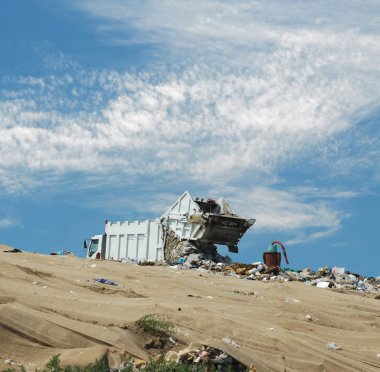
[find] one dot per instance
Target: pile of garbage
(336, 277)
(207, 357)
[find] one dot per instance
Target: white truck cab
(94, 246)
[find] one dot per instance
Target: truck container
(194, 220)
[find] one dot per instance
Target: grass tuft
(156, 325)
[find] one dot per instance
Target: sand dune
(51, 305)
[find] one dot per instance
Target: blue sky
(111, 110)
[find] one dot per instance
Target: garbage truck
(189, 222)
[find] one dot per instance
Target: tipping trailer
(197, 221)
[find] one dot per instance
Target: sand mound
(51, 305)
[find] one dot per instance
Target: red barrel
(272, 259)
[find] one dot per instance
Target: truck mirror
(85, 244)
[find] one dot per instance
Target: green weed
(156, 325)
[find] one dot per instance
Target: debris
(210, 358)
(14, 250)
(60, 253)
(8, 361)
(309, 318)
(291, 300)
(195, 296)
(323, 284)
(171, 356)
(105, 281)
(333, 346)
(338, 270)
(228, 341)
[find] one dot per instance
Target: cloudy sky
(112, 109)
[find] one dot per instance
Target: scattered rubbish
(195, 296)
(60, 253)
(333, 346)
(171, 356)
(309, 317)
(92, 266)
(8, 361)
(378, 356)
(291, 300)
(270, 329)
(172, 340)
(34, 282)
(14, 250)
(210, 358)
(105, 281)
(338, 270)
(228, 341)
(322, 284)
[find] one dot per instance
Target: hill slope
(51, 305)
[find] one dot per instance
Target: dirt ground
(51, 305)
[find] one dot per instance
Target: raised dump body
(198, 221)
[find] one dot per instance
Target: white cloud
(284, 211)
(268, 86)
(217, 25)
(7, 222)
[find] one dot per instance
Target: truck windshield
(93, 246)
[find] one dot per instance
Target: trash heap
(208, 357)
(336, 277)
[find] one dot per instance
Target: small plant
(156, 325)
(54, 365)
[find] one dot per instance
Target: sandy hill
(51, 305)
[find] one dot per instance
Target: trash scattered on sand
(61, 253)
(228, 341)
(105, 281)
(209, 357)
(209, 261)
(14, 250)
(333, 346)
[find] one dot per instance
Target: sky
(110, 110)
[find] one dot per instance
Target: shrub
(156, 325)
